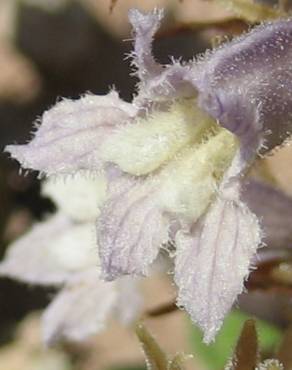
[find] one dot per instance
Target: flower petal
(70, 134)
(75, 250)
(157, 82)
(213, 260)
(51, 252)
(246, 84)
(143, 147)
(274, 209)
(188, 184)
(77, 196)
(145, 26)
(80, 309)
(130, 228)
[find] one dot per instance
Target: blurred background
(63, 48)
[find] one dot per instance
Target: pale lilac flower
(61, 252)
(174, 160)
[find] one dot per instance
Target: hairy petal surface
(190, 181)
(80, 309)
(130, 229)
(51, 252)
(157, 82)
(143, 147)
(78, 196)
(134, 221)
(274, 208)
(246, 84)
(70, 134)
(145, 27)
(213, 260)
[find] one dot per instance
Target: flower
(61, 252)
(174, 160)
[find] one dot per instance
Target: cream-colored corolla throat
(191, 150)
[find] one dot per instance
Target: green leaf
(216, 355)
